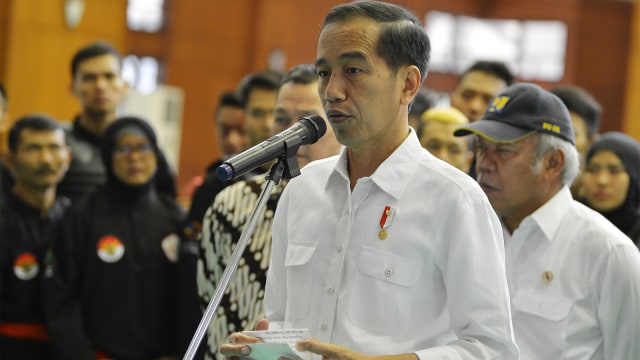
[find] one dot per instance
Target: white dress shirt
(575, 284)
(436, 285)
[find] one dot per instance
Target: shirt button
(330, 290)
(323, 327)
(340, 248)
(388, 272)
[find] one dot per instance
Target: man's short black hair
(37, 122)
(92, 50)
(266, 80)
(494, 68)
(228, 99)
(301, 74)
(579, 101)
(403, 41)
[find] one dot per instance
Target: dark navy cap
(519, 111)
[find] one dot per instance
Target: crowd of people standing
(497, 224)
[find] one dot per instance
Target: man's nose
(333, 91)
(478, 104)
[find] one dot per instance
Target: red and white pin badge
(110, 249)
(385, 221)
(25, 266)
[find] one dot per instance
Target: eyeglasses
(126, 149)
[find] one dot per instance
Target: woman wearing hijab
(612, 181)
(110, 293)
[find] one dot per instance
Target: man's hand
(329, 351)
(236, 346)
(335, 352)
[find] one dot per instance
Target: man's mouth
(336, 116)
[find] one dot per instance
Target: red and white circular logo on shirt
(110, 249)
(25, 266)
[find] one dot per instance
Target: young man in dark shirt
(98, 84)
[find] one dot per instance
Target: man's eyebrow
(352, 55)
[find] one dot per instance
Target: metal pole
(275, 173)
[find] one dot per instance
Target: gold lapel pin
(385, 222)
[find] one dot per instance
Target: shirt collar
(550, 215)
(84, 134)
(23, 209)
(394, 173)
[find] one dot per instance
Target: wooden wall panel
(39, 48)
(4, 26)
(631, 120)
(601, 59)
(208, 51)
(212, 45)
(208, 46)
(563, 10)
(597, 46)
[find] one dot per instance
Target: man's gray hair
(546, 143)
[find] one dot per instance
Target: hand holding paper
(263, 344)
(278, 344)
(237, 345)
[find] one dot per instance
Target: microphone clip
(290, 158)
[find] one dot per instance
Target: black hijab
(627, 216)
(109, 140)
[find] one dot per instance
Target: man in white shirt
(368, 251)
(225, 219)
(574, 278)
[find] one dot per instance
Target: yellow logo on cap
(551, 127)
(498, 104)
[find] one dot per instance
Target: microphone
(305, 131)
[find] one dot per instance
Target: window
(533, 50)
(142, 73)
(145, 15)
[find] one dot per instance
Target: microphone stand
(286, 163)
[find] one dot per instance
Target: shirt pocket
(540, 320)
(384, 290)
(299, 264)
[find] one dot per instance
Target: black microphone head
(224, 172)
(316, 125)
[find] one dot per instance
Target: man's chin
(100, 111)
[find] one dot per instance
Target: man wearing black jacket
(29, 217)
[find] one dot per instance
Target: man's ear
(8, 160)
(554, 163)
(69, 155)
(412, 81)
